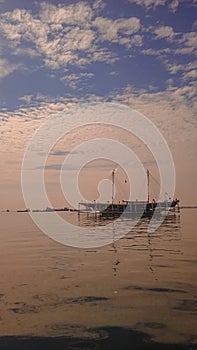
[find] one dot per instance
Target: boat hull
(139, 209)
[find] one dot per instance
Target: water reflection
(143, 282)
(157, 244)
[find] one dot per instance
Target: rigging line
(120, 188)
(158, 183)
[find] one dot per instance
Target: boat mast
(148, 183)
(113, 176)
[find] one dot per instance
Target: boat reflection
(157, 245)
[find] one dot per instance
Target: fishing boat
(129, 208)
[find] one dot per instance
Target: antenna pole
(148, 183)
(113, 176)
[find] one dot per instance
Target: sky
(56, 54)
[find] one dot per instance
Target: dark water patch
(151, 325)
(23, 284)
(24, 308)
(63, 277)
(189, 261)
(187, 305)
(117, 338)
(43, 297)
(91, 251)
(76, 330)
(87, 299)
(53, 301)
(164, 266)
(1, 296)
(155, 289)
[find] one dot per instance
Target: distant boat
(129, 208)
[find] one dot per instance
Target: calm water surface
(137, 293)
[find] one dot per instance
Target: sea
(138, 292)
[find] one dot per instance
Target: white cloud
(192, 74)
(186, 44)
(187, 72)
(66, 34)
(148, 4)
(185, 92)
(99, 5)
(78, 13)
(25, 51)
(173, 5)
(189, 40)
(104, 55)
(150, 52)
(184, 51)
(26, 98)
(74, 79)
(168, 110)
(164, 32)
(117, 30)
(114, 74)
(173, 96)
(20, 25)
(195, 25)
(174, 68)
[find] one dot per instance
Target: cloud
(192, 74)
(117, 31)
(173, 97)
(173, 5)
(164, 32)
(149, 4)
(74, 79)
(67, 34)
(172, 110)
(55, 32)
(174, 68)
(26, 98)
(189, 40)
(188, 71)
(6, 68)
(79, 13)
(25, 51)
(184, 51)
(195, 25)
(186, 44)
(99, 5)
